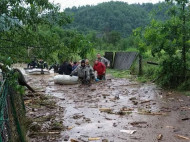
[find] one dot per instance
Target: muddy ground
(106, 112)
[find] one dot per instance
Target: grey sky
(71, 3)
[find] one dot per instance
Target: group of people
(86, 72)
(37, 64)
(82, 69)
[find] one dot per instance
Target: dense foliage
(168, 42)
(33, 28)
(115, 16)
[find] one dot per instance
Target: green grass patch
(142, 79)
(119, 73)
(186, 93)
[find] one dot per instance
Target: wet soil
(109, 112)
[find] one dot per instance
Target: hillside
(117, 16)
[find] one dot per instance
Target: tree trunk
(140, 64)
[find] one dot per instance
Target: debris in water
(73, 140)
(27, 102)
(170, 127)
(127, 109)
(128, 131)
(148, 101)
(145, 112)
(105, 95)
(184, 119)
(105, 140)
(77, 116)
(185, 108)
(159, 137)
(137, 124)
(133, 98)
(105, 109)
(135, 102)
(114, 125)
(183, 137)
(117, 97)
(93, 139)
(66, 138)
(169, 93)
(69, 128)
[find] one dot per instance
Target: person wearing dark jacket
(32, 64)
(74, 66)
(101, 70)
(42, 64)
(55, 66)
(65, 68)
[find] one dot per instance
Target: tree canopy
(37, 25)
(115, 16)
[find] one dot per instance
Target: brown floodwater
(102, 110)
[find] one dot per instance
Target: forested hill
(117, 16)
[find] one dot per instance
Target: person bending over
(92, 75)
(83, 73)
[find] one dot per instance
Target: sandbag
(35, 71)
(65, 79)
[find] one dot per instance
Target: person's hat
(83, 61)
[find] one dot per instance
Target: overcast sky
(71, 3)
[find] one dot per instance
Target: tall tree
(19, 25)
(168, 41)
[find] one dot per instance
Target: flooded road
(117, 110)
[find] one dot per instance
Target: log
(21, 80)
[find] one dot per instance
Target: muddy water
(147, 109)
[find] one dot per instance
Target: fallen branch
(183, 137)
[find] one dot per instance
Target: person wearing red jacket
(101, 70)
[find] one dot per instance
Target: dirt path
(108, 111)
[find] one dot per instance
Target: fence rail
(12, 114)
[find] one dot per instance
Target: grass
(186, 93)
(119, 73)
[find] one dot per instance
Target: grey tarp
(124, 60)
(110, 56)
